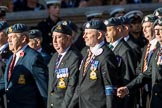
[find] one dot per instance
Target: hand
(122, 91)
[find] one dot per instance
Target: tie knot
(111, 46)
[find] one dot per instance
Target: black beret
(113, 21)
(124, 20)
(158, 22)
(158, 12)
(35, 33)
(62, 28)
(117, 10)
(95, 24)
(3, 25)
(149, 18)
(17, 28)
(71, 24)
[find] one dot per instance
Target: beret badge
(87, 25)
(65, 23)
(146, 18)
(157, 13)
(10, 29)
(106, 22)
(59, 27)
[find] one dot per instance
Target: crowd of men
(111, 63)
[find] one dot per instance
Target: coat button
(156, 94)
(52, 105)
(7, 89)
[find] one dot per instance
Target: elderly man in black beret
(152, 74)
(63, 67)
(35, 41)
(26, 76)
(98, 77)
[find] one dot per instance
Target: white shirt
(116, 43)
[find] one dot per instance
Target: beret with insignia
(113, 21)
(3, 25)
(134, 15)
(71, 24)
(35, 33)
(116, 11)
(62, 28)
(95, 24)
(158, 12)
(149, 18)
(17, 28)
(158, 22)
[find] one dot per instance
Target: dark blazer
(61, 97)
(126, 53)
(46, 57)
(27, 87)
(5, 54)
(127, 70)
(136, 49)
(91, 93)
(2, 65)
(154, 74)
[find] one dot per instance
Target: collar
(153, 44)
(116, 43)
(39, 50)
(126, 38)
(21, 50)
(96, 47)
(3, 47)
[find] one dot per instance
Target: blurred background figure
(3, 10)
(54, 9)
(135, 17)
(69, 3)
(35, 41)
(116, 12)
(94, 15)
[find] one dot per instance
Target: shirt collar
(3, 47)
(21, 50)
(96, 47)
(116, 42)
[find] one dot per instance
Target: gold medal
(93, 75)
(21, 79)
(61, 83)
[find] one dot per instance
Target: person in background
(25, 79)
(116, 12)
(63, 67)
(35, 40)
(54, 8)
(5, 53)
(3, 10)
(135, 17)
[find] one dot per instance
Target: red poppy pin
(22, 54)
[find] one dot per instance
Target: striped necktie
(57, 61)
(145, 64)
(87, 62)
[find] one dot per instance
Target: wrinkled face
(91, 37)
(54, 10)
(158, 33)
(3, 37)
(16, 41)
(110, 33)
(61, 41)
(148, 30)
